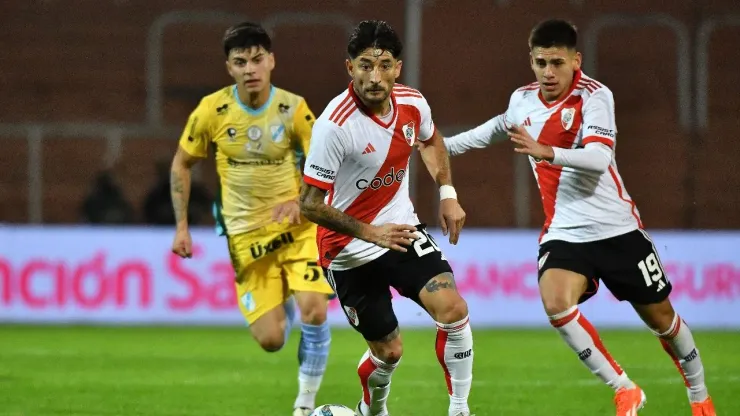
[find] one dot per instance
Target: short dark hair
(554, 33)
(374, 34)
(246, 35)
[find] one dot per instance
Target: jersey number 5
(419, 244)
(651, 271)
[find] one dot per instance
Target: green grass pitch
(127, 371)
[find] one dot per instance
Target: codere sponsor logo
(379, 181)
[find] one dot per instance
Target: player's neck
(379, 110)
(254, 100)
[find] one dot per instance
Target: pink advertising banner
(62, 275)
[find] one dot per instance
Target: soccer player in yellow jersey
(258, 133)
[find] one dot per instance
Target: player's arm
(594, 157)
(434, 155)
(313, 207)
(325, 155)
(598, 140)
(192, 148)
(599, 137)
(324, 158)
(491, 132)
(180, 180)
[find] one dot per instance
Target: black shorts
(628, 264)
(364, 291)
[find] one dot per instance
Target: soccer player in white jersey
(565, 124)
(370, 239)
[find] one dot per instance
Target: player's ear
(399, 65)
(349, 65)
(228, 68)
(271, 61)
(578, 60)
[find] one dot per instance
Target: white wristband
(447, 192)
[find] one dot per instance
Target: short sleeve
(303, 121)
(598, 119)
(197, 135)
(325, 155)
(427, 128)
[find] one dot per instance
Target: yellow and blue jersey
(257, 151)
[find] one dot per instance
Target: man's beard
(376, 99)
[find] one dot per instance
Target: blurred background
(94, 95)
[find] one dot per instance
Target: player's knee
(313, 309)
(561, 290)
(390, 352)
(658, 316)
(454, 310)
(556, 303)
(270, 342)
(314, 316)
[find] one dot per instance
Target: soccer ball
(333, 410)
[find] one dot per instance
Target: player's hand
(183, 244)
(451, 218)
(393, 236)
(290, 210)
(528, 146)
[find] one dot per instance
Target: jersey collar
(253, 111)
(576, 78)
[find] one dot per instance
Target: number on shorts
(313, 272)
(423, 239)
(651, 270)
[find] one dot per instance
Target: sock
(290, 309)
(375, 378)
(582, 337)
(678, 342)
(454, 348)
(313, 352)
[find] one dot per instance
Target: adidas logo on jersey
(368, 149)
(527, 122)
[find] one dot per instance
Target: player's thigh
(259, 283)
(298, 261)
(566, 275)
(365, 297)
(632, 269)
(423, 275)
